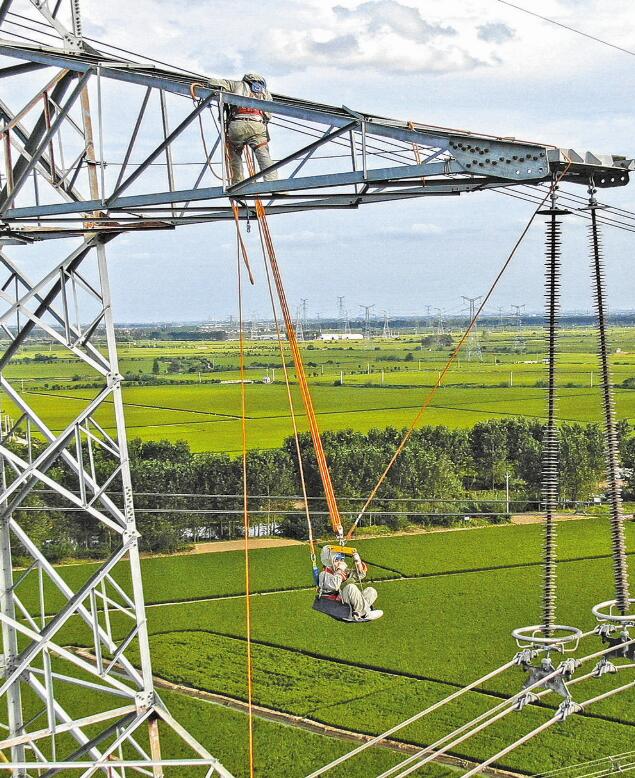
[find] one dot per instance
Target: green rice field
(384, 384)
(450, 599)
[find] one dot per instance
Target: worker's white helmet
(328, 557)
(325, 556)
(256, 82)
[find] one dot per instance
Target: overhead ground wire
(567, 27)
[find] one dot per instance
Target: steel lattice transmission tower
(519, 341)
(473, 342)
(71, 305)
(342, 314)
(368, 331)
(386, 331)
(439, 326)
(300, 320)
(71, 183)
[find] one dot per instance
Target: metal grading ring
(534, 636)
(601, 614)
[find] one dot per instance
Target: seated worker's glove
(360, 567)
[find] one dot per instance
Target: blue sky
(474, 64)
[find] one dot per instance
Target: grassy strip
(489, 546)
(189, 578)
(370, 701)
(452, 628)
(199, 576)
(358, 407)
(279, 749)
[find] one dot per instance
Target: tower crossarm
(328, 156)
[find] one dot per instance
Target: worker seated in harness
(247, 126)
(338, 594)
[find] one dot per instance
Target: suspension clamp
(569, 666)
(603, 667)
(566, 708)
(525, 656)
(526, 699)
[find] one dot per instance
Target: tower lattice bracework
(70, 707)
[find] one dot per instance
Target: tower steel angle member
(64, 178)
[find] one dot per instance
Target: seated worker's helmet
(256, 82)
(328, 558)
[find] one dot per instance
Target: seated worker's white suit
(335, 582)
(247, 126)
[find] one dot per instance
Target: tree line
(441, 475)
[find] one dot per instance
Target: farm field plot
(438, 632)
(293, 750)
(207, 416)
(189, 578)
(385, 382)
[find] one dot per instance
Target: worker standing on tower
(247, 126)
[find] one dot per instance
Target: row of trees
(441, 475)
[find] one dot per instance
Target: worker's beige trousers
(359, 601)
(243, 133)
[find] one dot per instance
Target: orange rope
(290, 398)
(245, 256)
(329, 492)
(243, 401)
(449, 363)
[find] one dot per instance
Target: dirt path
(239, 545)
(317, 728)
(538, 518)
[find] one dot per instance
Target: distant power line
(567, 27)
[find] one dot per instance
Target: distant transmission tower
(386, 332)
(473, 342)
(520, 345)
(343, 315)
(501, 316)
(429, 320)
(367, 329)
(299, 327)
(439, 326)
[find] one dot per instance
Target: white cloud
(386, 36)
(412, 231)
(495, 32)
(303, 237)
(391, 15)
